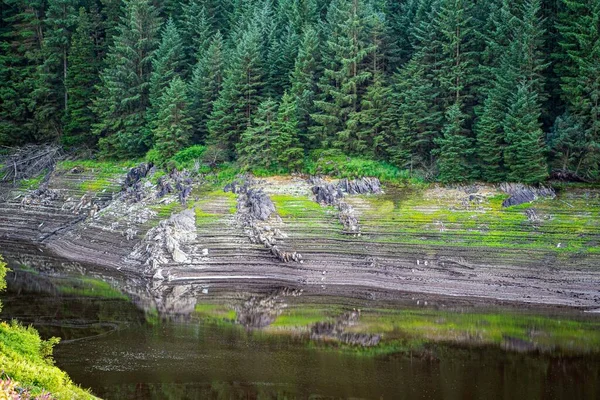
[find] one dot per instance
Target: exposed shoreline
(105, 230)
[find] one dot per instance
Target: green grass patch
(302, 317)
(297, 207)
(89, 287)
(27, 359)
(214, 311)
(101, 174)
(166, 210)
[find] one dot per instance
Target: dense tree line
(454, 90)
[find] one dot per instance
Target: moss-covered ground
(568, 224)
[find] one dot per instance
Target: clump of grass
(26, 360)
(214, 311)
(104, 174)
(166, 210)
(89, 287)
(296, 207)
(337, 164)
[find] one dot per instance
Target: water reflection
(131, 339)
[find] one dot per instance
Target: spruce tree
(286, 144)
(568, 143)
(20, 54)
(255, 148)
(61, 19)
(173, 127)
(167, 63)
(196, 30)
(344, 75)
(579, 27)
(524, 153)
(123, 91)
(374, 120)
(304, 78)
(417, 115)
(243, 90)
(81, 80)
(455, 148)
(205, 86)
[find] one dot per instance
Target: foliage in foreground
(27, 365)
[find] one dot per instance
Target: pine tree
(374, 120)
(286, 144)
(81, 80)
(173, 128)
(205, 86)
(579, 28)
(255, 148)
(418, 117)
(304, 78)
(61, 19)
(282, 56)
(455, 148)
(524, 153)
(344, 75)
(20, 54)
(243, 90)
(167, 63)
(517, 55)
(123, 92)
(568, 144)
(196, 30)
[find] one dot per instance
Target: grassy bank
(27, 369)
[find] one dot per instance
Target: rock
(327, 194)
(163, 243)
(360, 186)
(259, 204)
(520, 194)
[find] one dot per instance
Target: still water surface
(121, 351)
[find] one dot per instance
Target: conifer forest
(448, 90)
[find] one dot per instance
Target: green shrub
(26, 361)
(337, 164)
(187, 156)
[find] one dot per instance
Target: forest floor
(421, 243)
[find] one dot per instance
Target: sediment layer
(427, 241)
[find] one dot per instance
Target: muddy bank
(419, 244)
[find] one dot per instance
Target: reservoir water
(125, 340)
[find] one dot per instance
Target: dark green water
(122, 352)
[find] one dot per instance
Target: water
(123, 348)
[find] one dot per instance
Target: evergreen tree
(286, 144)
(344, 75)
(455, 148)
(282, 56)
(61, 19)
(517, 57)
(196, 30)
(256, 145)
(304, 78)
(568, 143)
(167, 63)
(417, 118)
(173, 128)
(524, 153)
(205, 86)
(124, 89)
(243, 89)
(20, 54)
(81, 79)
(579, 27)
(374, 120)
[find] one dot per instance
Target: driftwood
(29, 162)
